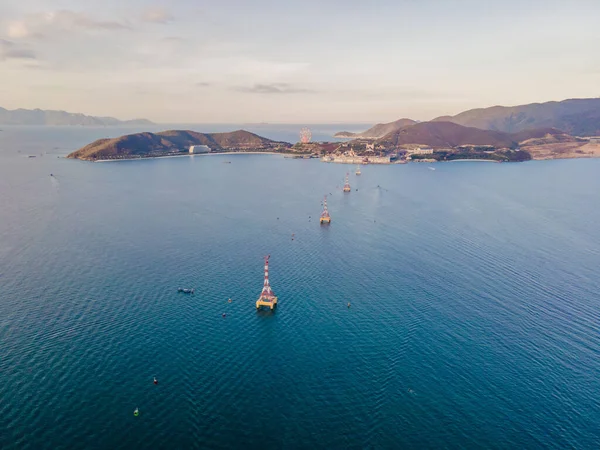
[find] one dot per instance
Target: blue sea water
(474, 291)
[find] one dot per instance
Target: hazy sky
(295, 61)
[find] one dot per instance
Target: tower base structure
(268, 302)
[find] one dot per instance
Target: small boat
(155, 380)
(32, 156)
(186, 291)
(136, 412)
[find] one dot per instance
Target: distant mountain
(61, 118)
(377, 131)
(451, 135)
(142, 145)
(578, 117)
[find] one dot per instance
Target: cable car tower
(325, 217)
(347, 185)
(267, 297)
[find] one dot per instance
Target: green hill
(141, 145)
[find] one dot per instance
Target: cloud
(157, 15)
(10, 50)
(19, 30)
(276, 69)
(272, 88)
(43, 24)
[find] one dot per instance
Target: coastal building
(370, 147)
(195, 149)
(344, 159)
(420, 151)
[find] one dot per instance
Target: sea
(447, 306)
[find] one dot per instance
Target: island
(449, 141)
(416, 142)
(550, 130)
(175, 143)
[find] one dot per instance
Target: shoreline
(474, 159)
(186, 154)
(335, 162)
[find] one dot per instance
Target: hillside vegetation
(174, 142)
(448, 135)
(377, 131)
(578, 117)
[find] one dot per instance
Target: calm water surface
(474, 290)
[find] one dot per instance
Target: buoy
(136, 412)
(155, 380)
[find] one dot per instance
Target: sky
(312, 61)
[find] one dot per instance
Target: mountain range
(173, 142)
(62, 118)
(577, 117)
(451, 135)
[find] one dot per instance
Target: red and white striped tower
(347, 184)
(267, 292)
(325, 217)
(267, 297)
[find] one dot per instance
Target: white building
(199, 149)
(420, 151)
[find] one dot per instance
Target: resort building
(194, 149)
(419, 151)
